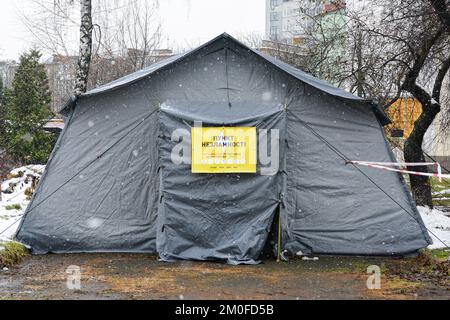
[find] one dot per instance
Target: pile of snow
(14, 200)
(437, 222)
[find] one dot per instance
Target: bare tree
(124, 38)
(412, 57)
(291, 54)
(84, 58)
(51, 23)
(443, 135)
(253, 39)
(340, 47)
(385, 50)
(128, 40)
(324, 36)
(422, 44)
(333, 43)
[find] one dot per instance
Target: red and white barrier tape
(387, 166)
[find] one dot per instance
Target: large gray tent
(110, 184)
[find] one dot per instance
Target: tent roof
(296, 73)
(300, 75)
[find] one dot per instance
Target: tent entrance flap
(206, 216)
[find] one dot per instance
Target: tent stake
(279, 238)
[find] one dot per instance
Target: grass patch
(441, 197)
(12, 254)
(400, 286)
(430, 266)
(357, 265)
(441, 254)
(13, 207)
(433, 262)
(437, 186)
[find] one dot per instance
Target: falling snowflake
(267, 96)
(94, 223)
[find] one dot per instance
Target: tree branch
(436, 95)
(412, 75)
(441, 8)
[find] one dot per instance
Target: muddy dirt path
(126, 276)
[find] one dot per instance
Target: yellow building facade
(403, 113)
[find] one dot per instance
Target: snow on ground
(14, 200)
(436, 221)
(13, 196)
(443, 192)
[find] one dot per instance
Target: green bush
(12, 254)
(13, 207)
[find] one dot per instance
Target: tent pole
(279, 238)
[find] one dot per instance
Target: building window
(274, 32)
(274, 16)
(274, 3)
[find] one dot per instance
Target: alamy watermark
(374, 279)
(73, 280)
(270, 163)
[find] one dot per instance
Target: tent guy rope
(389, 167)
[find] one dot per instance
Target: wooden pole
(279, 238)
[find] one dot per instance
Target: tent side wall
(106, 204)
(332, 207)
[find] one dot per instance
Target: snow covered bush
(16, 194)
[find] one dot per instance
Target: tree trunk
(360, 73)
(84, 59)
(420, 185)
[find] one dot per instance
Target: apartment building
(288, 21)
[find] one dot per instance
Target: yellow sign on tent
(224, 150)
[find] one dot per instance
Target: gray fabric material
(111, 202)
(330, 204)
(300, 75)
(211, 216)
(134, 199)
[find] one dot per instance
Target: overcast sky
(185, 22)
